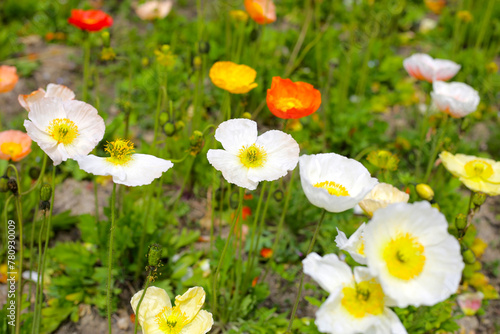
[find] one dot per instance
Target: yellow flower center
(367, 297)
(479, 170)
(120, 151)
(63, 130)
(404, 257)
(288, 103)
(252, 156)
(171, 320)
(361, 247)
(333, 188)
(11, 149)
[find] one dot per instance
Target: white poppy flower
(126, 168)
(64, 129)
(354, 245)
(154, 9)
(381, 196)
(423, 67)
(356, 304)
(247, 158)
(53, 90)
(409, 249)
(455, 98)
(334, 182)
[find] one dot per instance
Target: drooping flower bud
(424, 191)
(154, 255)
(479, 198)
(12, 185)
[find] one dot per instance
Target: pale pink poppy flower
(53, 90)
(470, 302)
(14, 145)
(423, 67)
(8, 78)
(154, 10)
(455, 98)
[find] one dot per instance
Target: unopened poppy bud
(169, 129)
(278, 195)
(254, 34)
(196, 142)
(461, 221)
(34, 173)
(478, 199)
(469, 257)
(154, 255)
(4, 187)
(46, 192)
(197, 62)
(179, 125)
(164, 118)
(204, 47)
(424, 191)
(105, 39)
(247, 115)
(12, 185)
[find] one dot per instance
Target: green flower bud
(169, 129)
(179, 125)
(164, 118)
(461, 221)
(425, 191)
(204, 47)
(105, 39)
(247, 115)
(196, 143)
(469, 257)
(46, 192)
(278, 195)
(254, 34)
(478, 199)
(4, 187)
(34, 173)
(154, 255)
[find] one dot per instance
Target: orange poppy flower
(90, 20)
(288, 99)
(8, 78)
(261, 11)
(14, 145)
(435, 5)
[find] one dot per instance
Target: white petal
(353, 244)
(201, 324)
(445, 69)
(330, 273)
(236, 133)
(101, 166)
(142, 169)
(282, 155)
(46, 142)
(27, 100)
(43, 111)
(60, 91)
(231, 167)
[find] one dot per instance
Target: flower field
(250, 166)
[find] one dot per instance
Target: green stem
(224, 250)
(148, 280)
(39, 289)
(110, 256)
(311, 245)
(435, 148)
(144, 232)
(86, 65)
(283, 214)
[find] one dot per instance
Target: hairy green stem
(110, 256)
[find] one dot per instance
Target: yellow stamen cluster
(288, 103)
(366, 298)
(333, 188)
(63, 130)
(404, 257)
(171, 320)
(120, 151)
(11, 149)
(252, 156)
(478, 170)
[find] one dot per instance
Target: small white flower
(247, 158)
(381, 196)
(53, 90)
(126, 168)
(334, 182)
(354, 245)
(423, 67)
(455, 98)
(409, 249)
(154, 9)
(356, 304)
(64, 129)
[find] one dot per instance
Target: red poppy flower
(90, 20)
(288, 99)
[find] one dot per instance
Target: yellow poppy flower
(477, 174)
(236, 79)
(158, 316)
